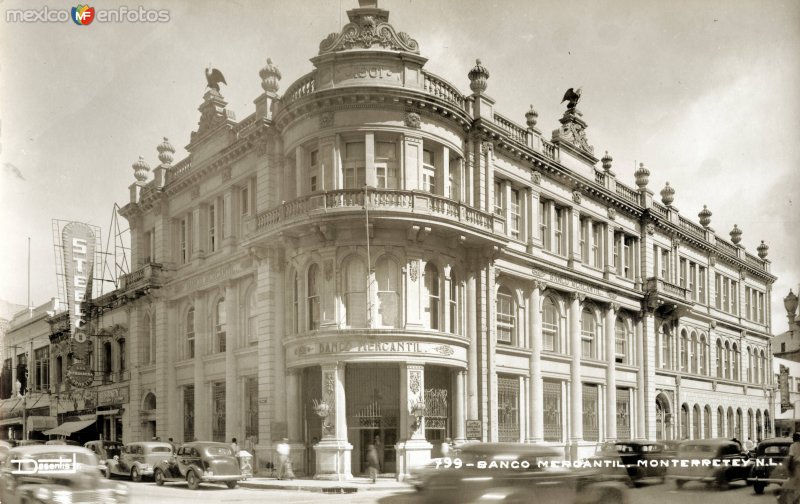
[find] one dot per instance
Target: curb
(338, 489)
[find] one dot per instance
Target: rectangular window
(244, 195)
(354, 166)
(761, 307)
(386, 165)
(726, 294)
(313, 170)
(560, 236)
(665, 264)
(428, 171)
(692, 276)
(218, 411)
(718, 291)
(508, 408)
(623, 413)
(747, 306)
(499, 192)
(551, 392)
(618, 238)
(42, 363)
(683, 273)
(597, 244)
(212, 236)
(701, 284)
(505, 318)
(223, 205)
(515, 213)
(583, 244)
(734, 297)
(251, 408)
(591, 429)
(188, 413)
(627, 253)
(544, 224)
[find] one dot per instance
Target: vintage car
(200, 462)
(711, 461)
(769, 465)
(515, 472)
(46, 474)
(62, 442)
(644, 461)
(138, 459)
(105, 450)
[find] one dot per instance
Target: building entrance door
(373, 400)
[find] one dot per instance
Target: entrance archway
(663, 418)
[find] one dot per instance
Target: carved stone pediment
(368, 27)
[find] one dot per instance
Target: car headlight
(43, 494)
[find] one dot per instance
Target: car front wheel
(192, 480)
(136, 475)
(759, 488)
(231, 484)
(159, 477)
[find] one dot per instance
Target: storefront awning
(11, 421)
(67, 428)
(40, 423)
(108, 412)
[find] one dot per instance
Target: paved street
(654, 494)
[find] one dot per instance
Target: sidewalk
(325, 486)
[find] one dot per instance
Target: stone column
(536, 400)
(572, 235)
(641, 411)
(294, 416)
(458, 407)
(333, 451)
(416, 450)
(649, 369)
(412, 167)
(576, 390)
(232, 404)
(371, 176)
(202, 419)
(174, 424)
(611, 375)
(472, 351)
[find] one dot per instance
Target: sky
(703, 92)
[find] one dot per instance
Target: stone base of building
(333, 460)
(410, 454)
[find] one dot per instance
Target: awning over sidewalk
(107, 412)
(40, 423)
(10, 421)
(67, 428)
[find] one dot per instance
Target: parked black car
(711, 461)
(200, 462)
(643, 460)
(770, 463)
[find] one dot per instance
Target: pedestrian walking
(234, 446)
(446, 447)
(284, 464)
(372, 462)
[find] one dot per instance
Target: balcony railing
(627, 193)
(515, 132)
(147, 276)
(690, 227)
(418, 202)
(440, 88)
(662, 287)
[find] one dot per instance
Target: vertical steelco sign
(79, 249)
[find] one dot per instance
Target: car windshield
(219, 451)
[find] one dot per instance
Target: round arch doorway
(663, 419)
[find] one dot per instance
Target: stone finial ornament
(270, 75)
(530, 118)
(478, 77)
(140, 169)
(607, 159)
(705, 216)
(736, 235)
(763, 250)
(790, 303)
(165, 152)
(668, 195)
(642, 176)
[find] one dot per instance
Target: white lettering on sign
(78, 240)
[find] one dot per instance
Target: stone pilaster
(415, 450)
(472, 352)
(232, 340)
(458, 406)
(576, 390)
(202, 417)
(536, 400)
(174, 425)
(641, 388)
(333, 451)
(133, 431)
(611, 375)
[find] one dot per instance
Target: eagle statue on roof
(572, 97)
(213, 78)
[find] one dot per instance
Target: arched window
(749, 365)
(750, 421)
(149, 403)
(251, 317)
(684, 421)
(731, 423)
(623, 340)
(108, 363)
(432, 296)
(387, 275)
(588, 335)
(707, 422)
(684, 351)
(506, 316)
(122, 356)
(756, 372)
(694, 350)
(663, 419)
(763, 367)
(739, 418)
(767, 425)
(703, 355)
(727, 359)
(146, 339)
(190, 333)
(720, 422)
(697, 418)
(550, 326)
(759, 431)
(453, 308)
(736, 361)
(719, 359)
(220, 322)
(666, 348)
(312, 296)
(296, 303)
(355, 292)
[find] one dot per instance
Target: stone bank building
(373, 254)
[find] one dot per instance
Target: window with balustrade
(387, 167)
(428, 171)
(355, 172)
